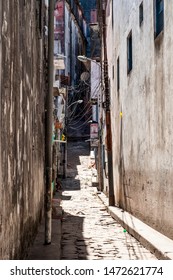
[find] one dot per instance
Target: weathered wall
(0, 134)
(21, 127)
(143, 137)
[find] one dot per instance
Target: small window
(118, 73)
(129, 53)
(141, 14)
(113, 72)
(112, 14)
(159, 16)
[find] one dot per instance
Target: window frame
(158, 17)
(118, 73)
(113, 72)
(112, 14)
(129, 52)
(141, 13)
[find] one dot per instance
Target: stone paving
(88, 231)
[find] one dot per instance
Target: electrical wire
(79, 94)
(77, 121)
(78, 90)
(74, 128)
(87, 111)
(76, 116)
(71, 119)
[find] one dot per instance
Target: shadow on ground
(72, 244)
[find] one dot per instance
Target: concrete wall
(143, 136)
(0, 134)
(21, 127)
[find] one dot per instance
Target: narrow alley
(86, 148)
(88, 231)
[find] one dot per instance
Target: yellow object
(121, 114)
(63, 137)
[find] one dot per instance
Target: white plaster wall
(143, 136)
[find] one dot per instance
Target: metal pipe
(108, 114)
(66, 124)
(49, 122)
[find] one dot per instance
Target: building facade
(140, 47)
(21, 125)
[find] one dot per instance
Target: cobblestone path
(88, 231)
